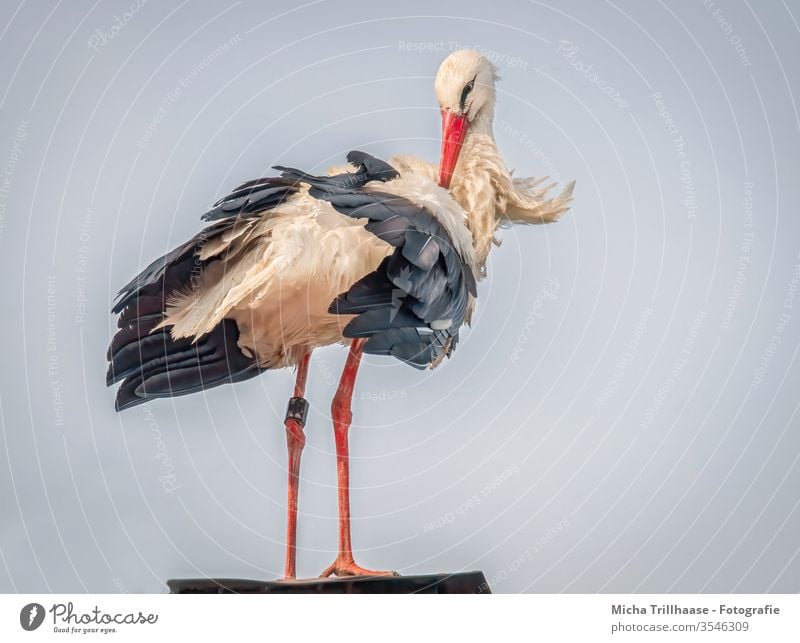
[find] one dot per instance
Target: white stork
(383, 255)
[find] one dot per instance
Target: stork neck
(475, 182)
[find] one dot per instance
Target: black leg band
(297, 410)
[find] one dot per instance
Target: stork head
(465, 90)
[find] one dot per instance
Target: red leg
(342, 415)
(295, 440)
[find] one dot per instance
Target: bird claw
(342, 567)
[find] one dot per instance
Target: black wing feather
(252, 198)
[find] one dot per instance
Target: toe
(349, 568)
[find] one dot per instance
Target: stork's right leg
(342, 415)
(295, 441)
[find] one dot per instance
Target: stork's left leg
(295, 441)
(342, 415)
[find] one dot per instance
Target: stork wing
(413, 304)
(148, 361)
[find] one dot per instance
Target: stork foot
(347, 567)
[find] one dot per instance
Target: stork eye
(465, 92)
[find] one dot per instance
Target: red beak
(454, 129)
